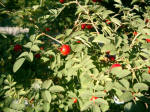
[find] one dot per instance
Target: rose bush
(79, 55)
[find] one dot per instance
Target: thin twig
(2, 4)
(88, 16)
(52, 38)
(43, 34)
(134, 40)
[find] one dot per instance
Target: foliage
(106, 67)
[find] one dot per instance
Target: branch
(52, 38)
(88, 16)
(134, 40)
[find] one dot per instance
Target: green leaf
(118, 1)
(140, 87)
(134, 1)
(28, 45)
(46, 96)
(15, 105)
(68, 32)
(123, 73)
(127, 96)
(30, 56)
(46, 84)
(8, 110)
(116, 21)
(46, 107)
(101, 39)
(101, 101)
(146, 77)
(108, 47)
(18, 64)
(54, 89)
(86, 106)
(125, 83)
(24, 54)
(32, 38)
(104, 108)
(35, 48)
(96, 108)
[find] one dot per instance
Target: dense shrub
(74, 55)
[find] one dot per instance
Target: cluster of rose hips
(88, 26)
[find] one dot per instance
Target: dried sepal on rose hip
(65, 49)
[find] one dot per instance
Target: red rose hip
(61, 1)
(17, 47)
(147, 40)
(74, 100)
(89, 26)
(37, 56)
(94, 0)
(83, 26)
(65, 49)
(135, 33)
(47, 29)
(115, 65)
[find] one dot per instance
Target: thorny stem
(134, 40)
(43, 34)
(88, 16)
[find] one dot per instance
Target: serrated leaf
(28, 45)
(86, 106)
(32, 38)
(30, 56)
(146, 77)
(46, 84)
(54, 89)
(18, 64)
(8, 110)
(46, 96)
(101, 39)
(46, 107)
(101, 101)
(35, 48)
(68, 32)
(116, 21)
(96, 108)
(125, 83)
(15, 105)
(140, 87)
(123, 73)
(24, 54)
(127, 96)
